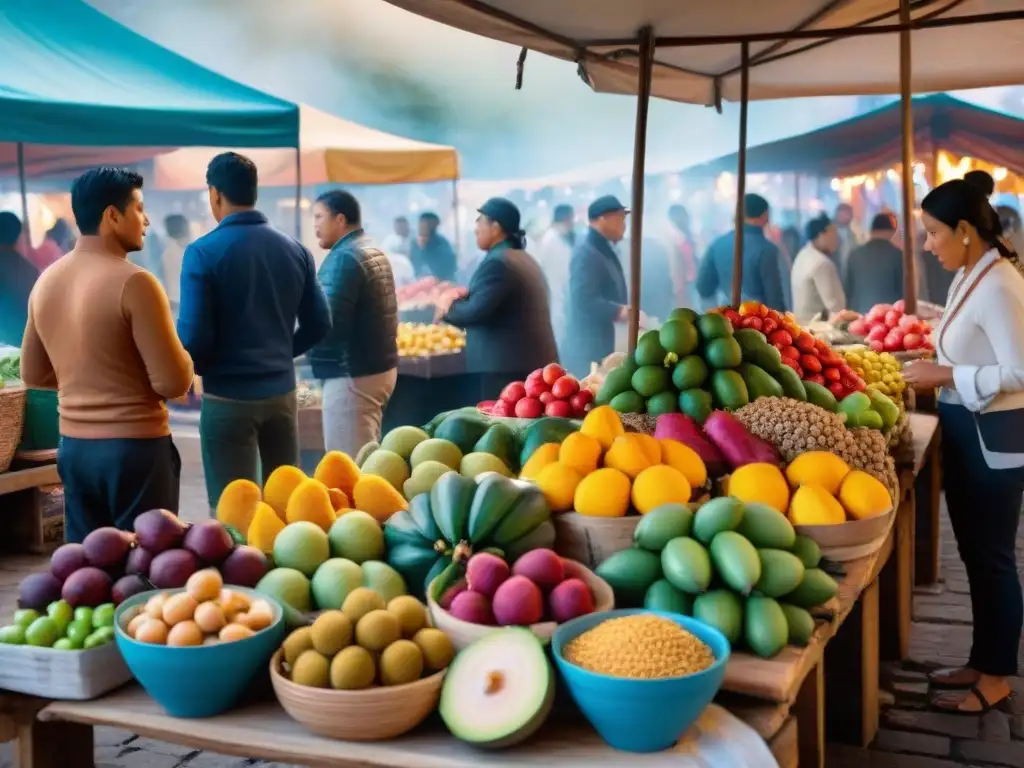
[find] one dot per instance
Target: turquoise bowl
(200, 681)
(641, 715)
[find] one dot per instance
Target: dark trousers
(241, 437)
(984, 507)
(113, 481)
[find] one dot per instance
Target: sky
(367, 61)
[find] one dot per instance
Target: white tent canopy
(697, 56)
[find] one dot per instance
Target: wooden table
(921, 470)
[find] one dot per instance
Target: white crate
(65, 675)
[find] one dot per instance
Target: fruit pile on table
(548, 391)
(426, 339)
(887, 328)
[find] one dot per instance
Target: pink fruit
(877, 333)
(900, 305)
(876, 345)
(529, 408)
(451, 593)
(565, 387)
(559, 408)
(859, 327)
(892, 318)
(546, 397)
(485, 573)
(127, 586)
(570, 599)
(502, 408)
(552, 373)
(106, 547)
(67, 559)
(535, 388)
(513, 393)
(159, 530)
(581, 400)
(38, 590)
(913, 341)
(89, 586)
(139, 560)
(541, 566)
(518, 602)
(209, 541)
(171, 569)
(244, 567)
(472, 607)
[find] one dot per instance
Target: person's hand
(623, 316)
(445, 301)
(925, 374)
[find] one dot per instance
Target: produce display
(368, 642)
(548, 391)
(61, 627)
(887, 329)
(739, 567)
(205, 613)
(423, 293)
(10, 368)
(881, 372)
(423, 339)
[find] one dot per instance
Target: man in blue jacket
(250, 304)
(762, 263)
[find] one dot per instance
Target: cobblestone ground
(910, 737)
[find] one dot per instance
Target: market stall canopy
(871, 141)
(697, 59)
(334, 151)
(69, 75)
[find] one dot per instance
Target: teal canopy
(70, 75)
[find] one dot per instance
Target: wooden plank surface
(924, 429)
(263, 730)
(785, 745)
(23, 479)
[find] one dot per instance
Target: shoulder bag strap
(965, 295)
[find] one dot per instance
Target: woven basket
(12, 418)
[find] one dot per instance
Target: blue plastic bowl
(641, 715)
(202, 681)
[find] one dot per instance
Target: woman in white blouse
(980, 370)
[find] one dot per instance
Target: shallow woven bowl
(853, 533)
(463, 633)
(373, 714)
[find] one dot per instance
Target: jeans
(113, 481)
(239, 438)
(352, 410)
(984, 507)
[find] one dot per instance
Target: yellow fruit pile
(337, 486)
(421, 339)
(818, 488)
(603, 471)
(880, 371)
(367, 643)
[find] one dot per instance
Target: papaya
(604, 425)
(263, 529)
(378, 497)
(237, 504)
(279, 487)
(311, 501)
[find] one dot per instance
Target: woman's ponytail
(517, 240)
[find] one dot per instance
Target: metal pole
(907, 122)
(741, 177)
(456, 227)
(298, 194)
(26, 227)
(636, 233)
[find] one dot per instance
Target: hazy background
(370, 62)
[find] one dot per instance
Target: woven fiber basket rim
(12, 419)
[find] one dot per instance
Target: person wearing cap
(817, 289)
(874, 270)
(597, 297)
(763, 263)
(505, 310)
(431, 253)
(555, 255)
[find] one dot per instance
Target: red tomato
(534, 388)
(791, 352)
(581, 400)
(794, 365)
(877, 333)
(529, 408)
(876, 345)
(502, 408)
(804, 342)
(810, 363)
(781, 336)
(913, 341)
(753, 322)
(837, 389)
(559, 408)
(552, 373)
(815, 378)
(513, 392)
(770, 324)
(733, 316)
(900, 305)
(565, 387)
(763, 310)
(537, 374)
(892, 318)
(832, 374)
(546, 397)
(859, 327)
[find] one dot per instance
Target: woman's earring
(967, 240)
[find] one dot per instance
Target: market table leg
(785, 745)
(928, 490)
(54, 745)
(896, 579)
(809, 711)
(853, 680)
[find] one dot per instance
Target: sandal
(954, 707)
(953, 678)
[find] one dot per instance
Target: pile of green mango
(738, 567)
(870, 409)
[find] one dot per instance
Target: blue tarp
(70, 75)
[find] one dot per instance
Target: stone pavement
(910, 737)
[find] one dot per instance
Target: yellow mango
(339, 499)
(818, 468)
(279, 487)
(650, 447)
(311, 501)
(546, 454)
(657, 485)
(581, 452)
(558, 483)
(863, 496)
(604, 493)
(378, 497)
(264, 528)
(814, 505)
(337, 470)
(682, 457)
(603, 424)
(760, 482)
(628, 455)
(237, 504)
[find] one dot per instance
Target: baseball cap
(605, 204)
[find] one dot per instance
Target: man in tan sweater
(100, 332)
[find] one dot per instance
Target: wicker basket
(12, 418)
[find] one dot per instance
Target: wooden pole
(298, 194)
(636, 229)
(741, 177)
(907, 122)
(796, 203)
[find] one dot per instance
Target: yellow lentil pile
(639, 646)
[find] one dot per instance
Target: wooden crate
(55, 674)
(36, 521)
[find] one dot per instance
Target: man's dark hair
(563, 212)
(401, 220)
(884, 222)
(754, 206)
(982, 181)
(342, 203)
(96, 190)
(432, 217)
(10, 228)
(817, 226)
(235, 177)
(176, 226)
(844, 207)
